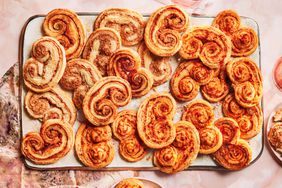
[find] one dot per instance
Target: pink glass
(277, 74)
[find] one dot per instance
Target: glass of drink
(277, 74)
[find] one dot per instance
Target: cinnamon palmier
(79, 76)
(247, 81)
(67, 28)
(54, 104)
(234, 156)
(128, 23)
(154, 122)
(126, 63)
(100, 45)
(55, 140)
(104, 97)
(46, 66)
(158, 66)
(209, 44)
(187, 78)
(94, 149)
(163, 30)
(199, 113)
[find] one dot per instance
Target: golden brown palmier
(163, 30)
(229, 128)
(130, 183)
(216, 89)
(93, 145)
(154, 122)
(249, 119)
(182, 152)
(78, 77)
(247, 81)
(104, 97)
(244, 42)
(187, 136)
(210, 139)
(209, 44)
(187, 78)
(131, 149)
(46, 66)
(158, 66)
(126, 63)
(54, 104)
(67, 28)
(234, 156)
(244, 39)
(166, 158)
(227, 21)
(199, 113)
(128, 23)
(100, 45)
(125, 124)
(55, 140)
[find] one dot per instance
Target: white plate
(270, 123)
(147, 183)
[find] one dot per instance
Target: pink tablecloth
(264, 173)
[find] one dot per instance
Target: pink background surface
(264, 173)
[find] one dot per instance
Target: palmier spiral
(54, 104)
(104, 97)
(55, 140)
(93, 145)
(67, 28)
(126, 63)
(128, 23)
(100, 45)
(79, 76)
(154, 122)
(209, 44)
(163, 30)
(46, 66)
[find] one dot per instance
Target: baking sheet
(32, 32)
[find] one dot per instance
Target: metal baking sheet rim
(193, 168)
